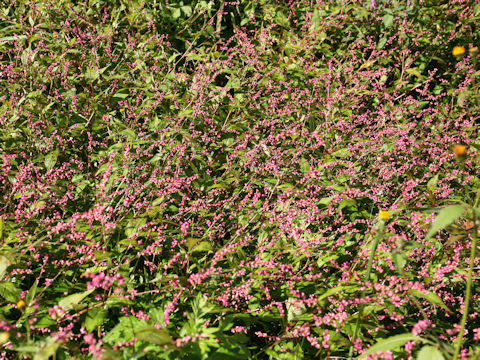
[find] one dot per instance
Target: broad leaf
(390, 343)
(51, 159)
(125, 330)
(9, 291)
(445, 217)
(95, 317)
(154, 335)
(47, 351)
(69, 302)
(429, 353)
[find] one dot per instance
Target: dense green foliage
(208, 179)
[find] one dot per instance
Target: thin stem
(367, 278)
(459, 341)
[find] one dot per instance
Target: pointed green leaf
(202, 246)
(154, 335)
(432, 183)
(51, 159)
(335, 290)
(390, 343)
(445, 217)
(431, 297)
(95, 317)
(4, 264)
(125, 330)
(69, 302)
(304, 165)
(32, 292)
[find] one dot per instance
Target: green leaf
(95, 317)
(415, 72)
(399, 259)
(304, 165)
(316, 20)
(336, 290)
(432, 183)
(154, 335)
(9, 291)
(176, 13)
(388, 20)
(13, 38)
(390, 343)
(233, 82)
(445, 217)
(4, 264)
(202, 246)
(294, 311)
(121, 94)
(32, 292)
(47, 351)
(45, 322)
(69, 302)
(125, 330)
(429, 353)
(187, 10)
(27, 349)
(432, 298)
(91, 74)
(382, 42)
(51, 159)
(342, 153)
(346, 203)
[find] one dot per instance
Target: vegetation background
(252, 179)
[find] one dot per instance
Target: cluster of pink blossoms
(103, 281)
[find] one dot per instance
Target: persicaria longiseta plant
(248, 179)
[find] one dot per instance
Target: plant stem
(367, 278)
(459, 341)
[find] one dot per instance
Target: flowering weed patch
(252, 179)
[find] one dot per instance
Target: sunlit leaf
(445, 217)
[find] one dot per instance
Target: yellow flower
(384, 215)
(21, 304)
(460, 150)
(473, 50)
(458, 50)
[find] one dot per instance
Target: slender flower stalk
(468, 290)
